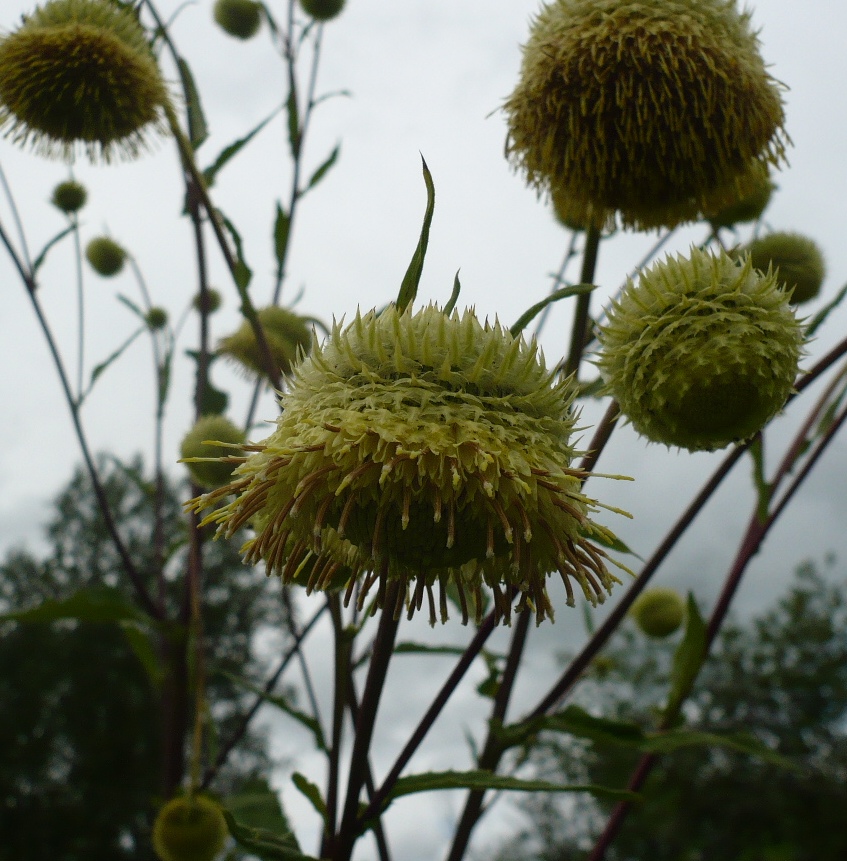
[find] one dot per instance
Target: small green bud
(212, 437)
(157, 318)
(659, 611)
(239, 18)
(213, 301)
(796, 260)
(105, 256)
(322, 10)
(746, 209)
(69, 196)
(189, 829)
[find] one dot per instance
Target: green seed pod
(69, 196)
(748, 208)
(655, 109)
(322, 10)
(289, 337)
(105, 256)
(659, 611)
(213, 301)
(189, 829)
(796, 260)
(239, 18)
(80, 72)
(701, 352)
(211, 450)
(156, 318)
(422, 449)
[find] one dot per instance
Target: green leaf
(257, 804)
(265, 844)
(764, 489)
(424, 649)
(687, 660)
(412, 278)
(39, 261)
(211, 172)
(819, 318)
(140, 641)
(667, 742)
(562, 293)
(293, 122)
(282, 227)
(91, 604)
(98, 369)
(214, 402)
(479, 779)
(319, 174)
(312, 793)
(242, 273)
(198, 131)
(454, 296)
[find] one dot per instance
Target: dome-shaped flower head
(426, 449)
(748, 207)
(211, 450)
(239, 18)
(289, 336)
(322, 10)
(660, 110)
(796, 260)
(80, 72)
(69, 196)
(701, 352)
(189, 829)
(659, 611)
(105, 256)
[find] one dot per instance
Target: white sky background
(425, 77)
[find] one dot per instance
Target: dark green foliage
(782, 677)
(80, 726)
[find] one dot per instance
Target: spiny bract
(660, 110)
(80, 72)
(701, 352)
(426, 449)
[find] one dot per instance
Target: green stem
(579, 333)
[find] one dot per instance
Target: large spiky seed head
(322, 10)
(69, 196)
(189, 829)
(289, 337)
(105, 256)
(656, 109)
(701, 351)
(80, 73)
(239, 18)
(211, 450)
(423, 449)
(658, 611)
(797, 261)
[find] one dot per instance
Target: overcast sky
(424, 77)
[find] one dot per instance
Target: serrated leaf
(39, 261)
(91, 604)
(562, 293)
(257, 805)
(412, 278)
(321, 171)
(227, 153)
(312, 794)
(198, 131)
(265, 844)
(687, 659)
(454, 296)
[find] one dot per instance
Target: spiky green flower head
(81, 73)
(69, 196)
(747, 208)
(654, 109)
(156, 319)
(239, 18)
(701, 352)
(322, 10)
(189, 829)
(659, 611)
(797, 261)
(289, 337)
(422, 448)
(105, 256)
(211, 450)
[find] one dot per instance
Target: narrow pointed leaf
(412, 278)
(211, 172)
(265, 844)
(39, 261)
(688, 659)
(454, 296)
(257, 805)
(819, 318)
(198, 130)
(282, 227)
(312, 794)
(293, 122)
(562, 293)
(320, 173)
(98, 369)
(91, 604)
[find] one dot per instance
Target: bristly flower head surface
(80, 73)
(428, 449)
(659, 110)
(701, 352)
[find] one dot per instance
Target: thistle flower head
(105, 256)
(69, 196)
(239, 18)
(426, 449)
(701, 352)
(80, 72)
(211, 449)
(658, 109)
(288, 335)
(796, 260)
(659, 611)
(189, 829)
